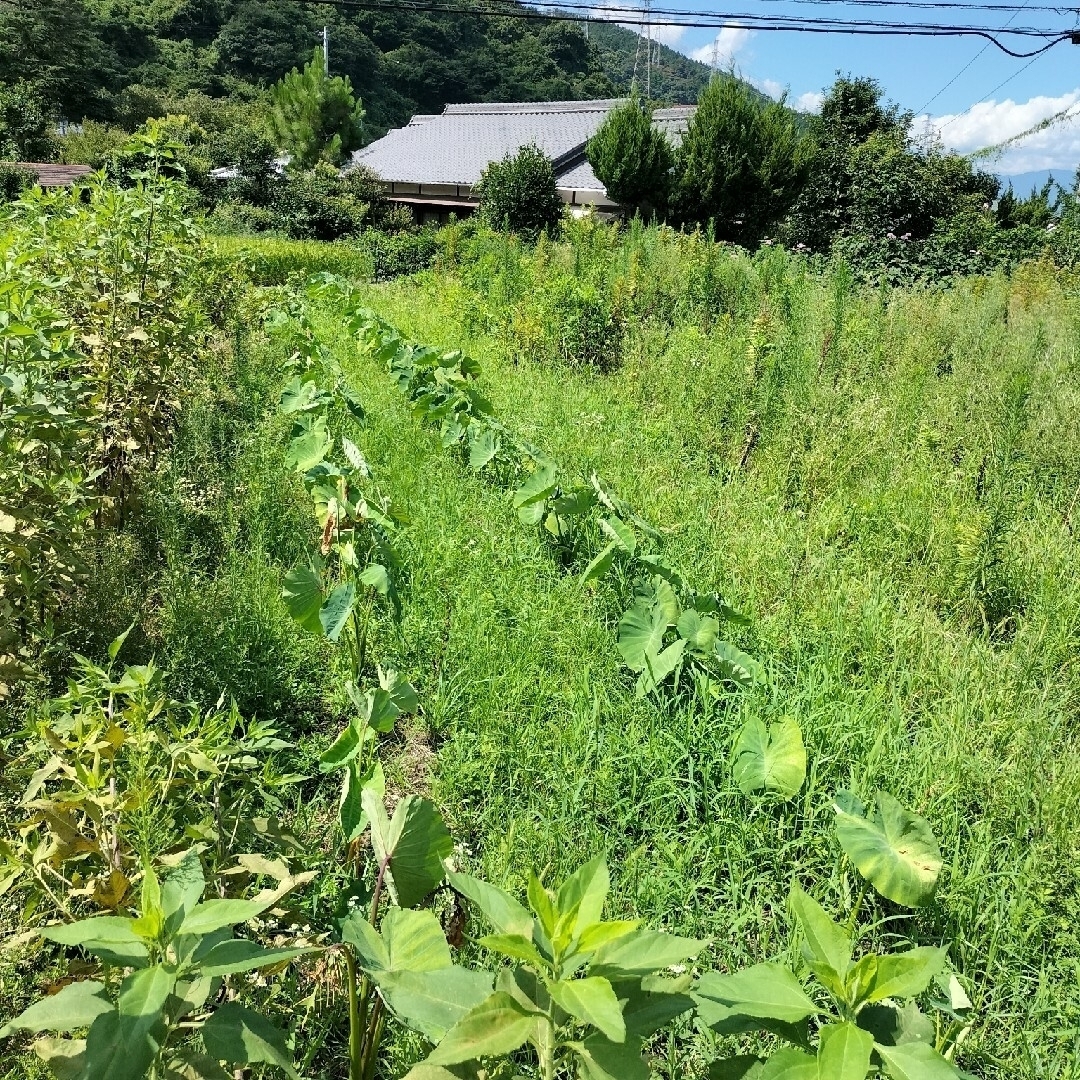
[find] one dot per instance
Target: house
(47, 175)
(433, 163)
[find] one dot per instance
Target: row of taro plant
(669, 632)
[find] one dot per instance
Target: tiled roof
(457, 145)
(49, 175)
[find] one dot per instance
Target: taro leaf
(592, 1001)
(353, 818)
(414, 941)
(574, 502)
(620, 534)
(77, 1005)
(894, 850)
(642, 953)
(302, 396)
(66, 1058)
(482, 449)
(343, 749)
(602, 1059)
(641, 634)
(916, 1061)
(355, 457)
(243, 1037)
(504, 913)
(122, 1044)
(308, 449)
(735, 666)
(827, 945)
(892, 1026)
(772, 759)
(844, 1052)
(766, 991)
(108, 937)
(531, 498)
(659, 667)
(303, 596)
(352, 401)
(413, 845)
(432, 1002)
(335, 612)
(496, 1027)
(698, 630)
(600, 565)
(402, 692)
(740, 1067)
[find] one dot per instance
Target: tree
(519, 193)
(631, 158)
(315, 117)
(26, 128)
(741, 163)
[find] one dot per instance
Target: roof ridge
(522, 107)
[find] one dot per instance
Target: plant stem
(855, 910)
(374, 1038)
(356, 1030)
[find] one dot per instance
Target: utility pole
(326, 49)
(648, 52)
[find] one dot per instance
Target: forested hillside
(123, 60)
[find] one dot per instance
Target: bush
(26, 127)
(395, 254)
(13, 182)
(95, 145)
(324, 204)
(519, 193)
(631, 158)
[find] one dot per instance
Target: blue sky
(971, 113)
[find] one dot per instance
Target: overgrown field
(884, 485)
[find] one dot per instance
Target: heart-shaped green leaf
(770, 759)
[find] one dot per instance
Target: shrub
(631, 158)
(25, 125)
(406, 252)
(13, 182)
(519, 193)
(741, 162)
(96, 144)
(323, 204)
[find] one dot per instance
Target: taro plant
(769, 759)
(866, 1019)
(582, 993)
(166, 1016)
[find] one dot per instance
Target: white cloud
(668, 35)
(769, 86)
(992, 122)
(722, 49)
(809, 102)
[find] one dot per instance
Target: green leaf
(308, 449)
(77, 1005)
(432, 1002)
(599, 566)
(301, 589)
(122, 1045)
(642, 953)
(482, 449)
(916, 1061)
(764, 990)
(894, 850)
(602, 1059)
(580, 899)
(181, 890)
(659, 667)
(789, 1064)
(108, 937)
(892, 1026)
(414, 941)
(413, 845)
(699, 631)
(592, 1001)
(515, 946)
(343, 749)
(536, 488)
(740, 1067)
(905, 975)
(844, 1052)
(773, 759)
(243, 1037)
(213, 915)
(641, 634)
(335, 611)
(648, 1008)
(496, 1027)
(402, 692)
(426, 1071)
(504, 913)
(302, 396)
(827, 948)
(231, 957)
(66, 1058)
(351, 814)
(735, 666)
(190, 1065)
(377, 577)
(620, 534)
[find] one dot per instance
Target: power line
(718, 20)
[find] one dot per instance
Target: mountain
(1024, 183)
(124, 60)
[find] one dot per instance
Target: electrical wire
(715, 20)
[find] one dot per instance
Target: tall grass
(880, 479)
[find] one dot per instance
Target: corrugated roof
(456, 146)
(48, 175)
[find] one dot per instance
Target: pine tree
(314, 117)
